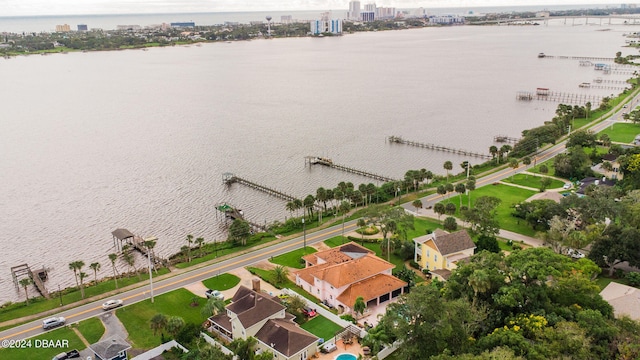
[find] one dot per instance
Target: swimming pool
(346, 356)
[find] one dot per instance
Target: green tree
(544, 183)
(448, 165)
(439, 209)
(450, 208)
(514, 164)
(309, 202)
(212, 307)
(493, 150)
(113, 257)
(158, 323)
(483, 216)
(189, 241)
(199, 243)
(489, 243)
(75, 266)
(244, 348)
(175, 324)
(82, 276)
(470, 185)
(280, 274)
(417, 204)
(25, 282)
(359, 306)
(460, 189)
(95, 267)
(441, 190)
(544, 170)
(239, 232)
(345, 206)
(450, 224)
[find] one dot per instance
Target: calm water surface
(91, 142)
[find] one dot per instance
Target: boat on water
(541, 55)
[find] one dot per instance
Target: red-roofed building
(340, 275)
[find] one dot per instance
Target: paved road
(86, 311)
(83, 312)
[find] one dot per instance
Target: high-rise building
(370, 7)
(385, 13)
(63, 28)
(354, 10)
(368, 16)
(333, 26)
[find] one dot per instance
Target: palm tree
(24, 282)
(504, 150)
(441, 190)
(174, 325)
(480, 282)
(113, 258)
(607, 166)
(448, 165)
(449, 188)
(129, 258)
(526, 161)
(75, 266)
(514, 164)
(95, 267)
(150, 244)
(361, 224)
(212, 307)
(158, 323)
(345, 206)
(460, 189)
(82, 276)
(439, 209)
(376, 338)
(493, 150)
(359, 306)
(280, 274)
(298, 204)
(291, 207)
(363, 190)
(606, 140)
(471, 185)
(199, 242)
(184, 249)
(309, 201)
(417, 204)
(189, 241)
(450, 208)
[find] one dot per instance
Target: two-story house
(113, 348)
(340, 275)
(262, 316)
(440, 251)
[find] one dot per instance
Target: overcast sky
(73, 7)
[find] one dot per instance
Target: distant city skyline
(90, 7)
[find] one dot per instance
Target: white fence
(159, 350)
(214, 343)
(388, 350)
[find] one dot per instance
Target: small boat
(541, 55)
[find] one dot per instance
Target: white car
(53, 322)
(575, 253)
(214, 294)
(111, 304)
(567, 186)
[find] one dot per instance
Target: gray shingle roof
(452, 243)
(253, 307)
(110, 348)
(285, 337)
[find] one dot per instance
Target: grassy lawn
(221, 282)
(510, 196)
(292, 258)
(321, 327)
(37, 349)
(92, 329)
(267, 276)
(548, 163)
(531, 181)
(136, 317)
(622, 132)
(40, 304)
(215, 250)
(602, 281)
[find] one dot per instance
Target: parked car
(73, 354)
(567, 186)
(214, 294)
(50, 323)
(575, 253)
(61, 356)
(111, 304)
(309, 312)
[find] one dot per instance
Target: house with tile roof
(340, 275)
(262, 316)
(440, 251)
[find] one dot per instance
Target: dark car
(73, 354)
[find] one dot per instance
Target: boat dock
(560, 97)
(399, 140)
(233, 213)
(505, 138)
(229, 178)
(582, 58)
(136, 242)
(38, 277)
(312, 160)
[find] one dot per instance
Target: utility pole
(304, 236)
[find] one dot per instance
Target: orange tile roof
(338, 254)
(370, 288)
(339, 275)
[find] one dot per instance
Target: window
(435, 257)
(428, 252)
(318, 291)
(331, 297)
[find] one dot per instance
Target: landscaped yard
(321, 327)
(92, 329)
(531, 181)
(292, 258)
(510, 196)
(221, 282)
(175, 303)
(375, 247)
(267, 275)
(35, 349)
(622, 132)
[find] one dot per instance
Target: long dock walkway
(229, 178)
(37, 277)
(312, 160)
(233, 213)
(560, 97)
(505, 138)
(399, 140)
(587, 58)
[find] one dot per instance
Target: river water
(91, 142)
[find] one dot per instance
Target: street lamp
(304, 236)
(60, 293)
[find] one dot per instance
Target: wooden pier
(582, 58)
(312, 160)
(233, 213)
(505, 138)
(38, 277)
(136, 242)
(229, 178)
(560, 97)
(399, 140)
